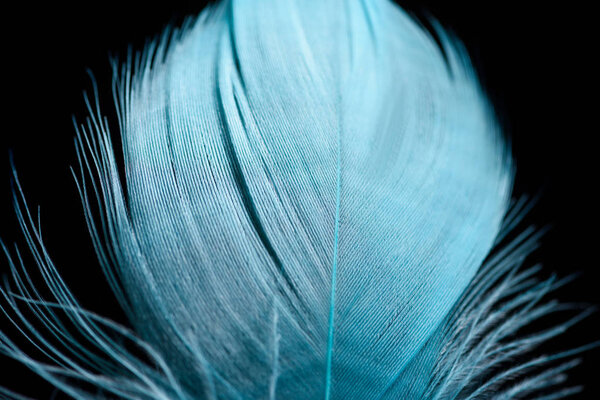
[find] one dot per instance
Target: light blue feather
(322, 181)
(310, 190)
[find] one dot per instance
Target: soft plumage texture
(310, 189)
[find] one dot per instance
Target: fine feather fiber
(312, 195)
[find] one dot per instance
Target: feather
(311, 191)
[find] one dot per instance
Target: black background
(535, 62)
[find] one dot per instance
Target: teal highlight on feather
(311, 188)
